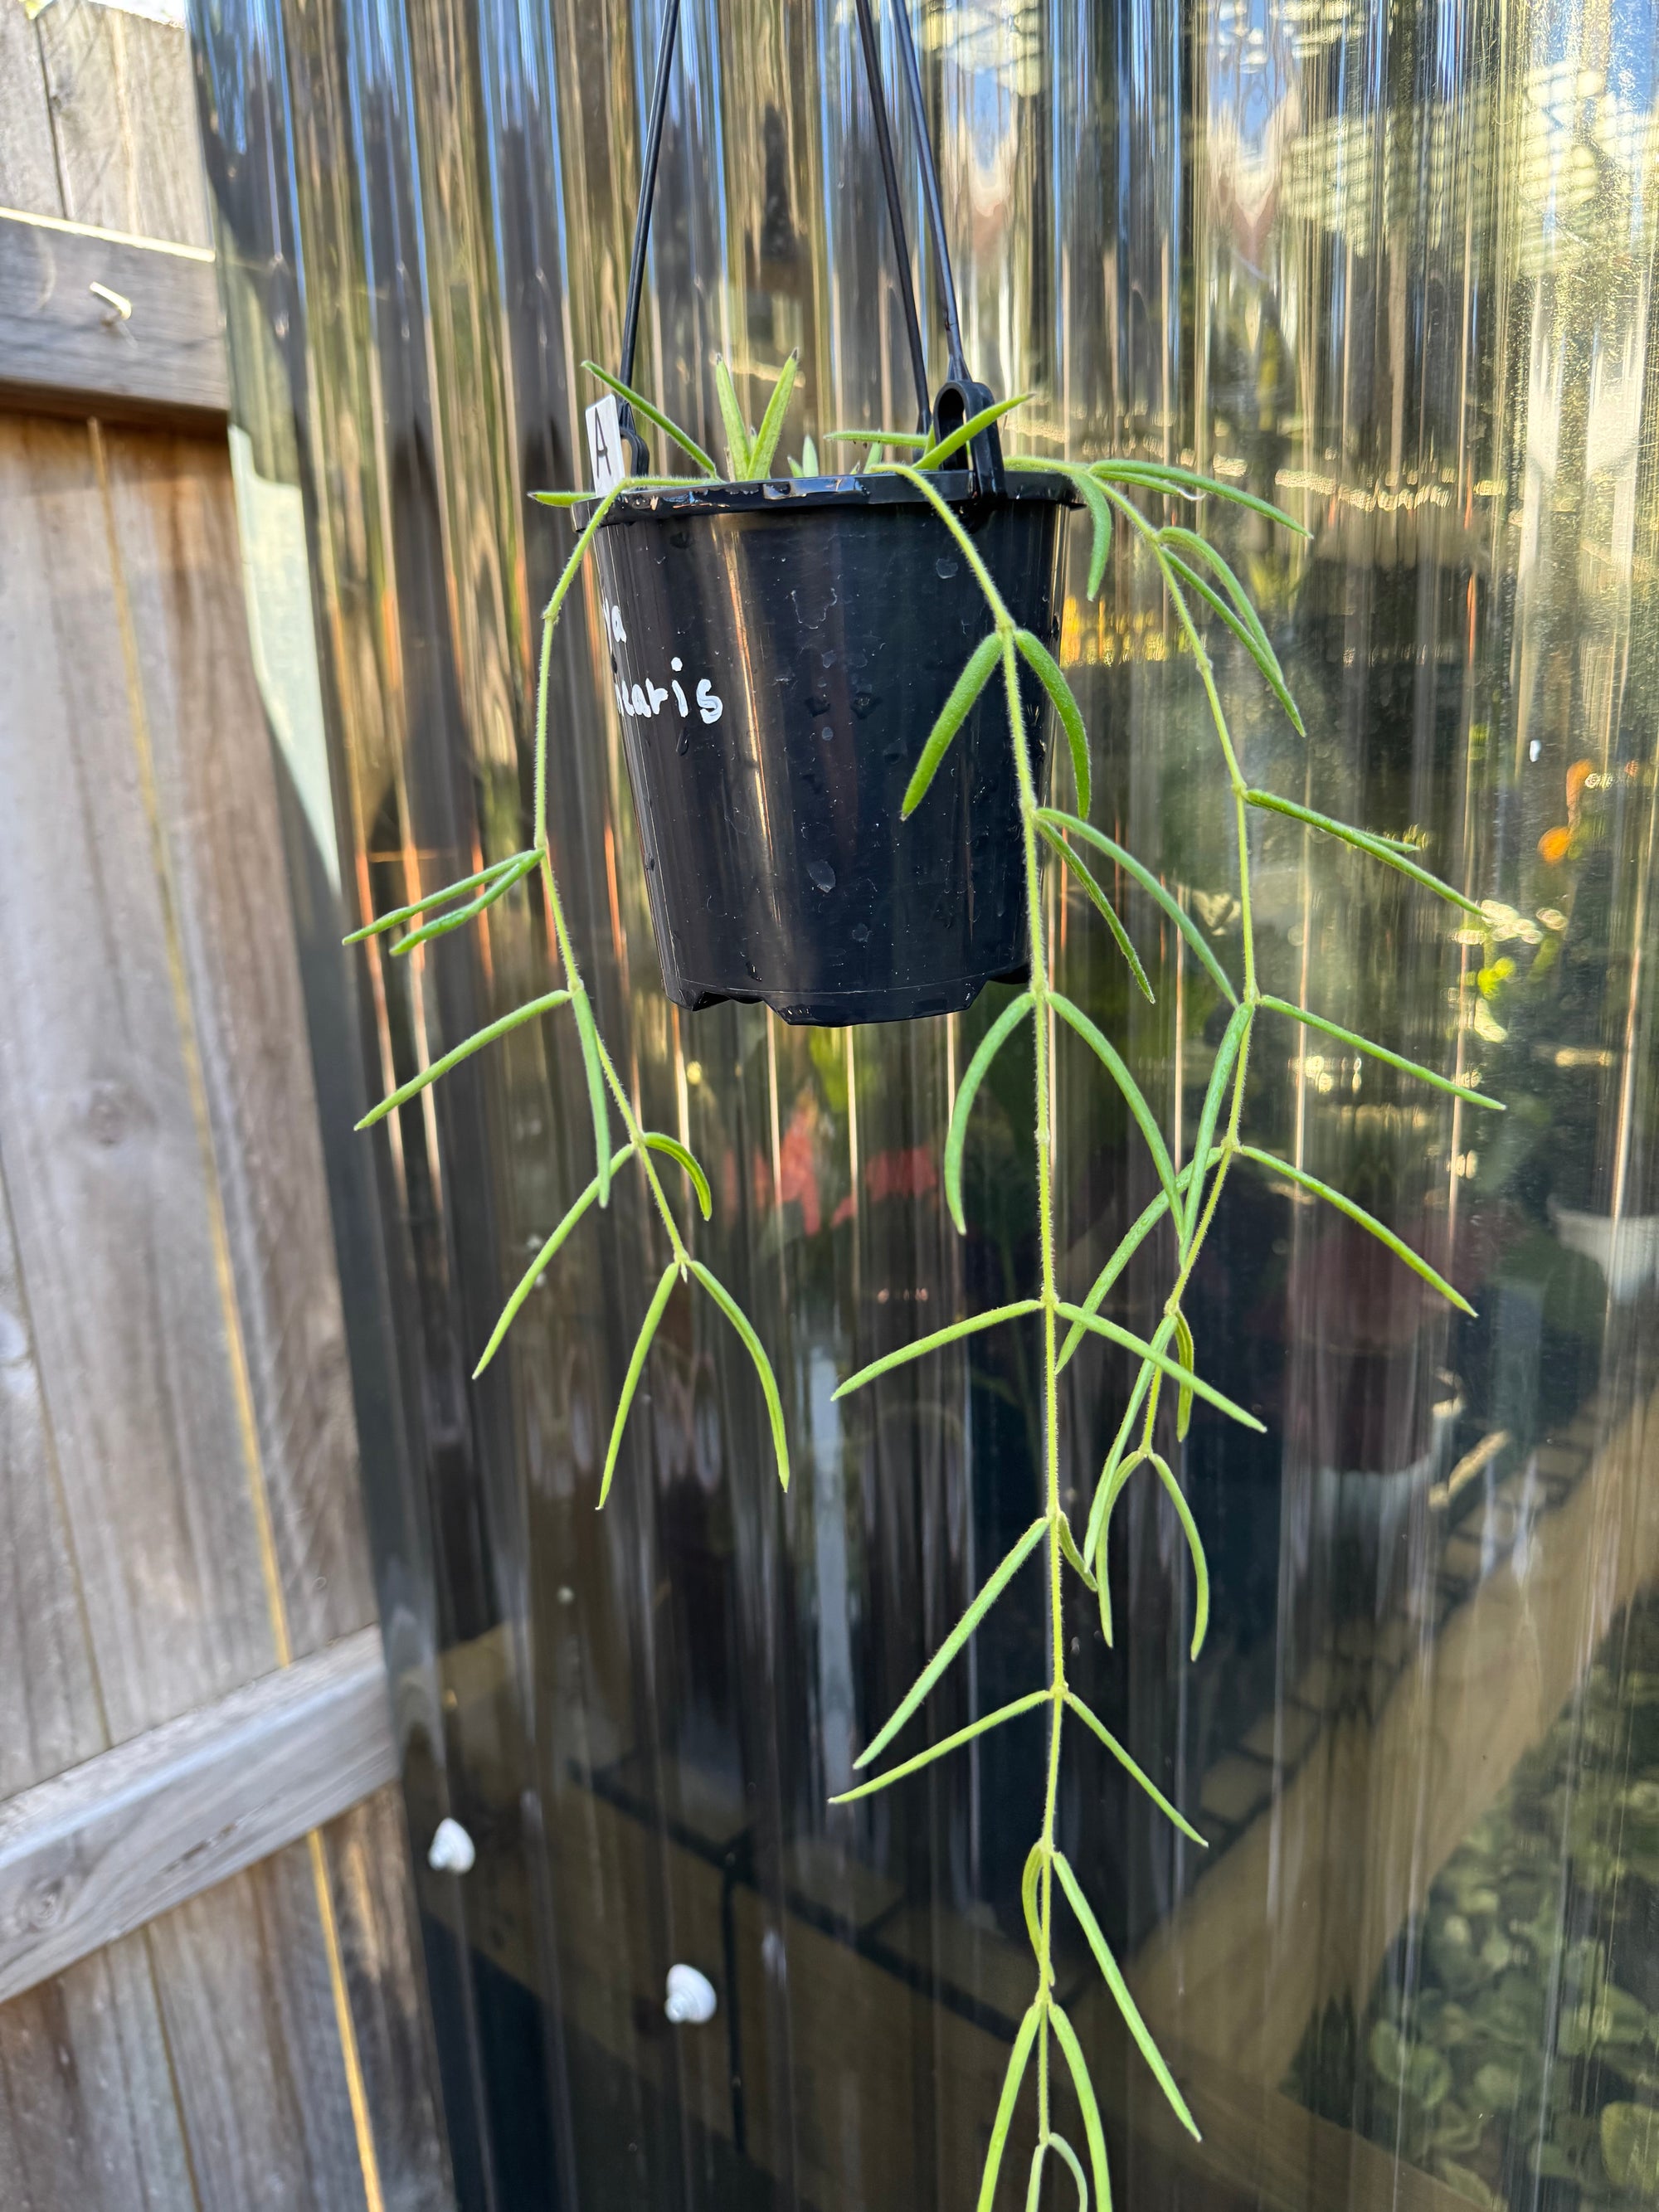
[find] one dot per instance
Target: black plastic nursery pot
(780, 652)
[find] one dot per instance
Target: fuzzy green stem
(549, 882)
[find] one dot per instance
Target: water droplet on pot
(946, 566)
(684, 745)
(860, 933)
(826, 733)
(822, 874)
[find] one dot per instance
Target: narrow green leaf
(635, 1368)
(1380, 1052)
(1053, 680)
(1260, 651)
(918, 441)
(561, 498)
(642, 406)
(1194, 1546)
(1100, 509)
(1162, 1361)
(1227, 1052)
(1060, 2143)
(736, 433)
(1120, 1989)
(936, 1342)
(1069, 1551)
(1018, 2058)
(809, 456)
(952, 714)
(771, 429)
(1150, 884)
(1029, 1883)
(475, 1042)
(1389, 850)
(1192, 545)
(955, 1137)
(1253, 635)
(1184, 1353)
(486, 898)
(1161, 476)
(1135, 1772)
(1065, 2035)
(1397, 1245)
(1034, 2186)
(1025, 1704)
(989, 1592)
(936, 456)
(756, 1351)
(1106, 1490)
(385, 922)
(1134, 1098)
(655, 1141)
(1075, 860)
(587, 1031)
(527, 1281)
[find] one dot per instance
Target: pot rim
(791, 494)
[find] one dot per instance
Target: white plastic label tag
(605, 443)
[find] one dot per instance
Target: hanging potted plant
(773, 639)
(833, 694)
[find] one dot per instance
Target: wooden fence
(207, 1954)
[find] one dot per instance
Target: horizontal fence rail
(97, 1852)
(95, 322)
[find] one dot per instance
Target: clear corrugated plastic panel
(1391, 267)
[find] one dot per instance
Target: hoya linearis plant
(1200, 587)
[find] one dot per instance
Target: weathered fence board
(29, 168)
(125, 116)
(100, 1128)
(88, 2121)
(52, 1706)
(216, 810)
(103, 2131)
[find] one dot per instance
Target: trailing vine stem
(600, 1070)
(1190, 1199)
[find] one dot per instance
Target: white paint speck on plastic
(452, 1850)
(691, 1999)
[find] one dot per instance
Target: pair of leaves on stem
(999, 647)
(989, 1591)
(1045, 2014)
(751, 452)
(677, 1268)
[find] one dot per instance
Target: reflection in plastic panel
(1392, 266)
